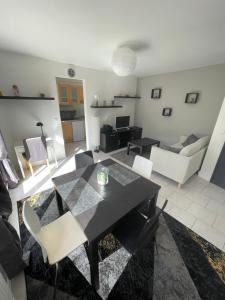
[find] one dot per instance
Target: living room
(154, 114)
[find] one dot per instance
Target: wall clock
(71, 72)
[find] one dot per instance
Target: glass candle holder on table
(103, 176)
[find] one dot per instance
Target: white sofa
(179, 166)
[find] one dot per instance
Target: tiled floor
(198, 204)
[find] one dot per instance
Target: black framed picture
(156, 93)
(191, 98)
(167, 111)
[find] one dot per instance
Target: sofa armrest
(169, 164)
(174, 165)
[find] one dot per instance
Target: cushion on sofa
(190, 140)
(182, 139)
(204, 141)
(179, 144)
(170, 148)
(195, 147)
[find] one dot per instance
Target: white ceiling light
(124, 61)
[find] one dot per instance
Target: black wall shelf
(105, 106)
(25, 98)
(126, 97)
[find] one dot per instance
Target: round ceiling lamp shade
(124, 61)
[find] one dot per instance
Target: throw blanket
(35, 149)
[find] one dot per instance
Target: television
(122, 122)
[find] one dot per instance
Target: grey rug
(129, 159)
(185, 267)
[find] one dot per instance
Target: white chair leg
(31, 168)
(179, 185)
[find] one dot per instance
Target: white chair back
(35, 149)
(33, 225)
(142, 166)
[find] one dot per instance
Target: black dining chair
(148, 208)
(135, 231)
(84, 159)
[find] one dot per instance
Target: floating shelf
(109, 106)
(26, 98)
(127, 97)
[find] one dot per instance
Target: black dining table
(99, 209)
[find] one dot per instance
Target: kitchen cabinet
(70, 94)
(64, 97)
(78, 130)
(80, 95)
(67, 131)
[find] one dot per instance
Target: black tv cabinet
(115, 139)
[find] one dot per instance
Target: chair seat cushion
(61, 237)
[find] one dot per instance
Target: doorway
(71, 106)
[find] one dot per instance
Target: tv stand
(116, 139)
(123, 129)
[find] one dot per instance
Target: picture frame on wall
(192, 98)
(156, 93)
(167, 111)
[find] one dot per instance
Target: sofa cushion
(171, 148)
(204, 141)
(195, 147)
(179, 144)
(190, 140)
(182, 139)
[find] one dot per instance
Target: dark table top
(144, 142)
(98, 208)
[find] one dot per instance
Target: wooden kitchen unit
(67, 131)
(70, 94)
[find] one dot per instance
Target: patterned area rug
(185, 267)
(129, 159)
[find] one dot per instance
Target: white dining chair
(142, 166)
(35, 151)
(57, 239)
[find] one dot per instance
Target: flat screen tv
(122, 122)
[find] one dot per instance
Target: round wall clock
(71, 72)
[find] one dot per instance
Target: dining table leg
(128, 148)
(59, 203)
(92, 251)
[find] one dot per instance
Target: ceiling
(168, 35)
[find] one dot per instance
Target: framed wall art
(156, 93)
(191, 98)
(167, 111)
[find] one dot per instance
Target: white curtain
(7, 171)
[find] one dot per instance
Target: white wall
(215, 146)
(33, 76)
(197, 118)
